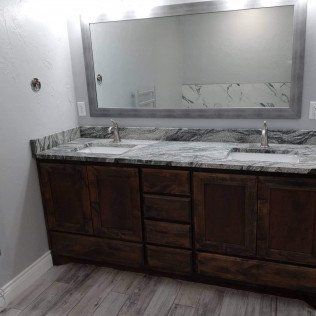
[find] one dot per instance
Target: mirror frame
(299, 36)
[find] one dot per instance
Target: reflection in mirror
(233, 59)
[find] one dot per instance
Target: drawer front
(97, 249)
(169, 260)
(169, 234)
(166, 181)
(257, 272)
(167, 208)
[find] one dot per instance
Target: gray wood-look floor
(76, 289)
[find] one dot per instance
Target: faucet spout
(114, 129)
(264, 136)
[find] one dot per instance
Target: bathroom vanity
(191, 212)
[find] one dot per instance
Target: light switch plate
(312, 110)
(81, 109)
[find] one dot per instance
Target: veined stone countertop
(208, 155)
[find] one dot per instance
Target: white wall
(309, 92)
(33, 43)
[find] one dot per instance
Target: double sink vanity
(235, 153)
(198, 204)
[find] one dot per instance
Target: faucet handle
(115, 124)
(264, 126)
(264, 136)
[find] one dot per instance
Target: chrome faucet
(264, 136)
(115, 130)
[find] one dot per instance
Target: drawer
(169, 260)
(97, 249)
(169, 234)
(257, 272)
(166, 181)
(167, 208)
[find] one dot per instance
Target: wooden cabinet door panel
(115, 201)
(287, 219)
(225, 211)
(66, 197)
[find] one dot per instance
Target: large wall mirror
(215, 59)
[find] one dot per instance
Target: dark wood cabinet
(166, 181)
(257, 272)
(249, 229)
(225, 212)
(169, 259)
(65, 195)
(287, 219)
(168, 208)
(115, 201)
(170, 234)
(97, 249)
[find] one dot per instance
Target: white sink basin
(109, 149)
(263, 156)
(104, 150)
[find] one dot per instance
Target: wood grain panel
(257, 272)
(166, 181)
(115, 201)
(169, 234)
(225, 211)
(169, 260)
(65, 196)
(167, 208)
(287, 219)
(97, 249)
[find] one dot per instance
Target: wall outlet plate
(81, 109)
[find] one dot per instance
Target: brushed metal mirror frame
(299, 36)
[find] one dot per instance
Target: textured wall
(309, 85)
(33, 42)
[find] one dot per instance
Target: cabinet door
(225, 212)
(65, 195)
(115, 202)
(287, 219)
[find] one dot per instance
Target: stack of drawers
(167, 218)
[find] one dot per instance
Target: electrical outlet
(81, 109)
(312, 110)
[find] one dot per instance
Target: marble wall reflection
(258, 95)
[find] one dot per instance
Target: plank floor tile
(83, 290)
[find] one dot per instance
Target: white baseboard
(22, 281)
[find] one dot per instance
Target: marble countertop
(208, 155)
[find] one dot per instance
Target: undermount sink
(110, 149)
(267, 155)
